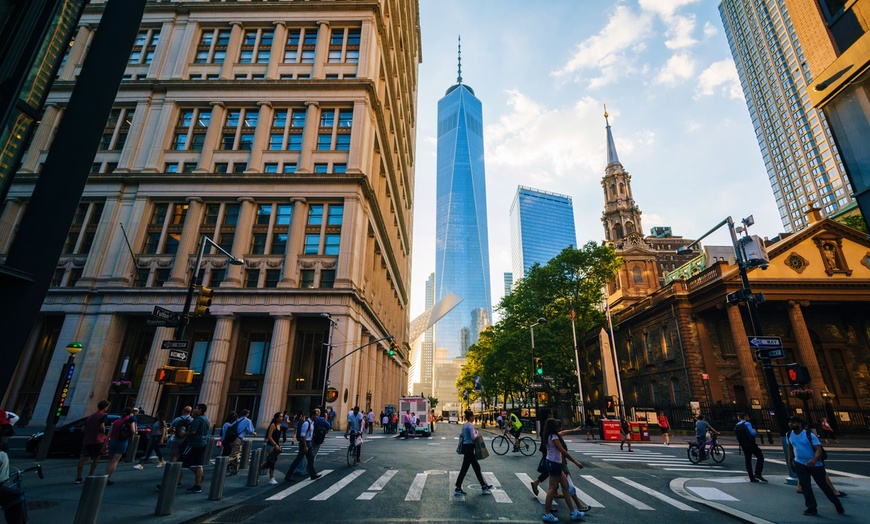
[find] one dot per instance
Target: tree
(855, 222)
(433, 402)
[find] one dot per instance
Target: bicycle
(354, 449)
(711, 448)
(12, 497)
(502, 443)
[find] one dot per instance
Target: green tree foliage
(433, 402)
(855, 222)
(503, 358)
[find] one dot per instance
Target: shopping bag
(480, 451)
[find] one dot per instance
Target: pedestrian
(177, 433)
(395, 424)
(273, 449)
(543, 474)
(355, 422)
(624, 434)
(155, 440)
(93, 439)
(331, 419)
(385, 422)
(285, 424)
(228, 435)
(702, 427)
(805, 455)
(665, 427)
(579, 505)
(413, 423)
(243, 428)
(467, 438)
(4, 463)
(321, 429)
(371, 421)
(7, 421)
(432, 421)
(590, 428)
(500, 420)
(305, 449)
(828, 431)
(746, 434)
(195, 444)
(120, 434)
(556, 455)
(297, 421)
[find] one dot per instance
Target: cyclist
(701, 429)
(355, 426)
(516, 429)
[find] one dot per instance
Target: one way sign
(765, 342)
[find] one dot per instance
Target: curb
(678, 486)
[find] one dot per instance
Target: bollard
(91, 499)
(254, 470)
(209, 449)
(171, 478)
(246, 454)
(216, 491)
(132, 448)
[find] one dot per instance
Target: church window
(621, 189)
(612, 190)
(629, 227)
(637, 274)
(617, 231)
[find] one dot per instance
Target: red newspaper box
(634, 428)
(610, 430)
(644, 431)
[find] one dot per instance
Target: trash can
(644, 431)
(609, 430)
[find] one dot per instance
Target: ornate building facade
(282, 131)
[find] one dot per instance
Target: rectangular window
(164, 228)
(335, 128)
(258, 353)
(339, 168)
(198, 354)
(290, 167)
(219, 223)
(238, 130)
(283, 137)
(312, 244)
(327, 279)
(212, 48)
(116, 130)
(329, 232)
(271, 229)
(321, 168)
(273, 276)
(190, 129)
(300, 44)
(270, 168)
(252, 278)
(83, 229)
(306, 278)
(144, 47)
(256, 46)
(344, 45)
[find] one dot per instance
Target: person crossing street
(746, 434)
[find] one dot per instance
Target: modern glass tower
(802, 162)
(542, 225)
(462, 242)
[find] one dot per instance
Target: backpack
(181, 428)
(232, 432)
(320, 430)
(297, 431)
(126, 431)
(744, 437)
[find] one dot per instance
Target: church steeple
(621, 217)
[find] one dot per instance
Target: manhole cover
(239, 513)
(41, 504)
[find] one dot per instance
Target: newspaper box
(639, 431)
(609, 430)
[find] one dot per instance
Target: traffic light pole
(331, 365)
(191, 287)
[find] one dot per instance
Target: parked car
(67, 439)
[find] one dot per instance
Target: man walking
(244, 427)
(805, 455)
(305, 449)
(122, 431)
(178, 432)
(195, 444)
(746, 434)
(371, 420)
(93, 439)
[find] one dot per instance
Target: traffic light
(203, 301)
(393, 348)
(797, 374)
(171, 375)
(165, 375)
(539, 366)
(183, 376)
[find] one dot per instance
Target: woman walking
(157, 438)
(467, 437)
(556, 455)
(273, 449)
(665, 426)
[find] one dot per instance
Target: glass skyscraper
(462, 242)
(542, 225)
(802, 162)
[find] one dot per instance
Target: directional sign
(175, 344)
(547, 377)
(165, 314)
(178, 354)
(160, 322)
(770, 354)
(765, 342)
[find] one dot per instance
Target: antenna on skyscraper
(459, 56)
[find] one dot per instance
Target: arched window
(612, 190)
(637, 274)
(676, 392)
(621, 188)
(617, 231)
(629, 227)
(648, 348)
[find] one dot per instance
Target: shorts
(92, 450)
(665, 431)
(118, 447)
(516, 432)
(554, 469)
(193, 457)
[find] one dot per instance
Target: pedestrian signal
(797, 374)
(165, 375)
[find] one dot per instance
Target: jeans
(468, 459)
(817, 473)
(153, 445)
(748, 452)
(308, 454)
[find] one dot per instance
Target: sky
(544, 69)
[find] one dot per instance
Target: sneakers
(487, 489)
(549, 517)
(534, 488)
(458, 491)
(194, 489)
(161, 463)
(273, 482)
(577, 514)
(138, 466)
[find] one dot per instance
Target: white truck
(418, 406)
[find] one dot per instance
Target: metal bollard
(171, 478)
(254, 470)
(216, 490)
(246, 454)
(209, 448)
(91, 499)
(132, 448)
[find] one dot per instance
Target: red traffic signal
(797, 375)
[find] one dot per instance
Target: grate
(239, 513)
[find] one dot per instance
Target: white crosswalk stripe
(283, 494)
(338, 486)
(653, 493)
(379, 484)
(497, 493)
(618, 494)
(416, 489)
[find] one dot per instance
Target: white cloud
(664, 8)
(710, 30)
(679, 32)
(719, 78)
(678, 68)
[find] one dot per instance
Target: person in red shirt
(119, 440)
(94, 439)
(665, 426)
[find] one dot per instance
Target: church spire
(459, 60)
(612, 157)
(621, 217)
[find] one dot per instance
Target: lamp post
(60, 397)
(332, 323)
(745, 295)
(541, 320)
(577, 366)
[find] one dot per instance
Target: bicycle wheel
(694, 456)
(351, 456)
(528, 446)
(718, 453)
(500, 445)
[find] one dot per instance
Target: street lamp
(58, 404)
(752, 301)
(541, 320)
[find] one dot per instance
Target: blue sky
(544, 69)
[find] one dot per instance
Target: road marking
(497, 493)
(527, 481)
(710, 470)
(618, 494)
(416, 489)
(381, 482)
(452, 476)
(831, 471)
(367, 495)
(335, 488)
(711, 493)
(653, 493)
(281, 495)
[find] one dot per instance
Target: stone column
(149, 156)
(233, 48)
(157, 358)
(745, 357)
(74, 59)
(213, 391)
(276, 55)
(212, 137)
(167, 41)
(805, 348)
(134, 136)
(362, 138)
(261, 137)
(321, 50)
(12, 212)
(187, 245)
(274, 395)
(309, 137)
(132, 212)
(351, 253)
(294, 241)
(241, 241)
(41, 138)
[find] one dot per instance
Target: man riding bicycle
(355, 426)
(516, 429)
(701, 429)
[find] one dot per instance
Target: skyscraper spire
(612, 157)
(459, 58)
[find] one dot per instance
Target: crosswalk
(612, 455)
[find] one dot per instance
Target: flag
(478, 384)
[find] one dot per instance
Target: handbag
(542, 465)
(480, 451)
(459, 447)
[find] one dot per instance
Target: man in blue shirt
(701, 429)
(746, 434)
(244, 427)
(805, 455)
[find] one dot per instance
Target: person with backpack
(321, 428)
(229, 434)
(155, 440)
(306, 434)
(232, 437)
(177, 432)
(122, 431)
(195, 444)
(746, 434)
(806, 456)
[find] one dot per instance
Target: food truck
(419, 406)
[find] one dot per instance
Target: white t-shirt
(803, 450)
(4, 466)
(553, 453)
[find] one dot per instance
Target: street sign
(175, 344)
(153, 321)
(765, 342)
(177, 354)
(547, 377)
(770, 354)
(165, 314)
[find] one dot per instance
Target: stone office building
(284, 132)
